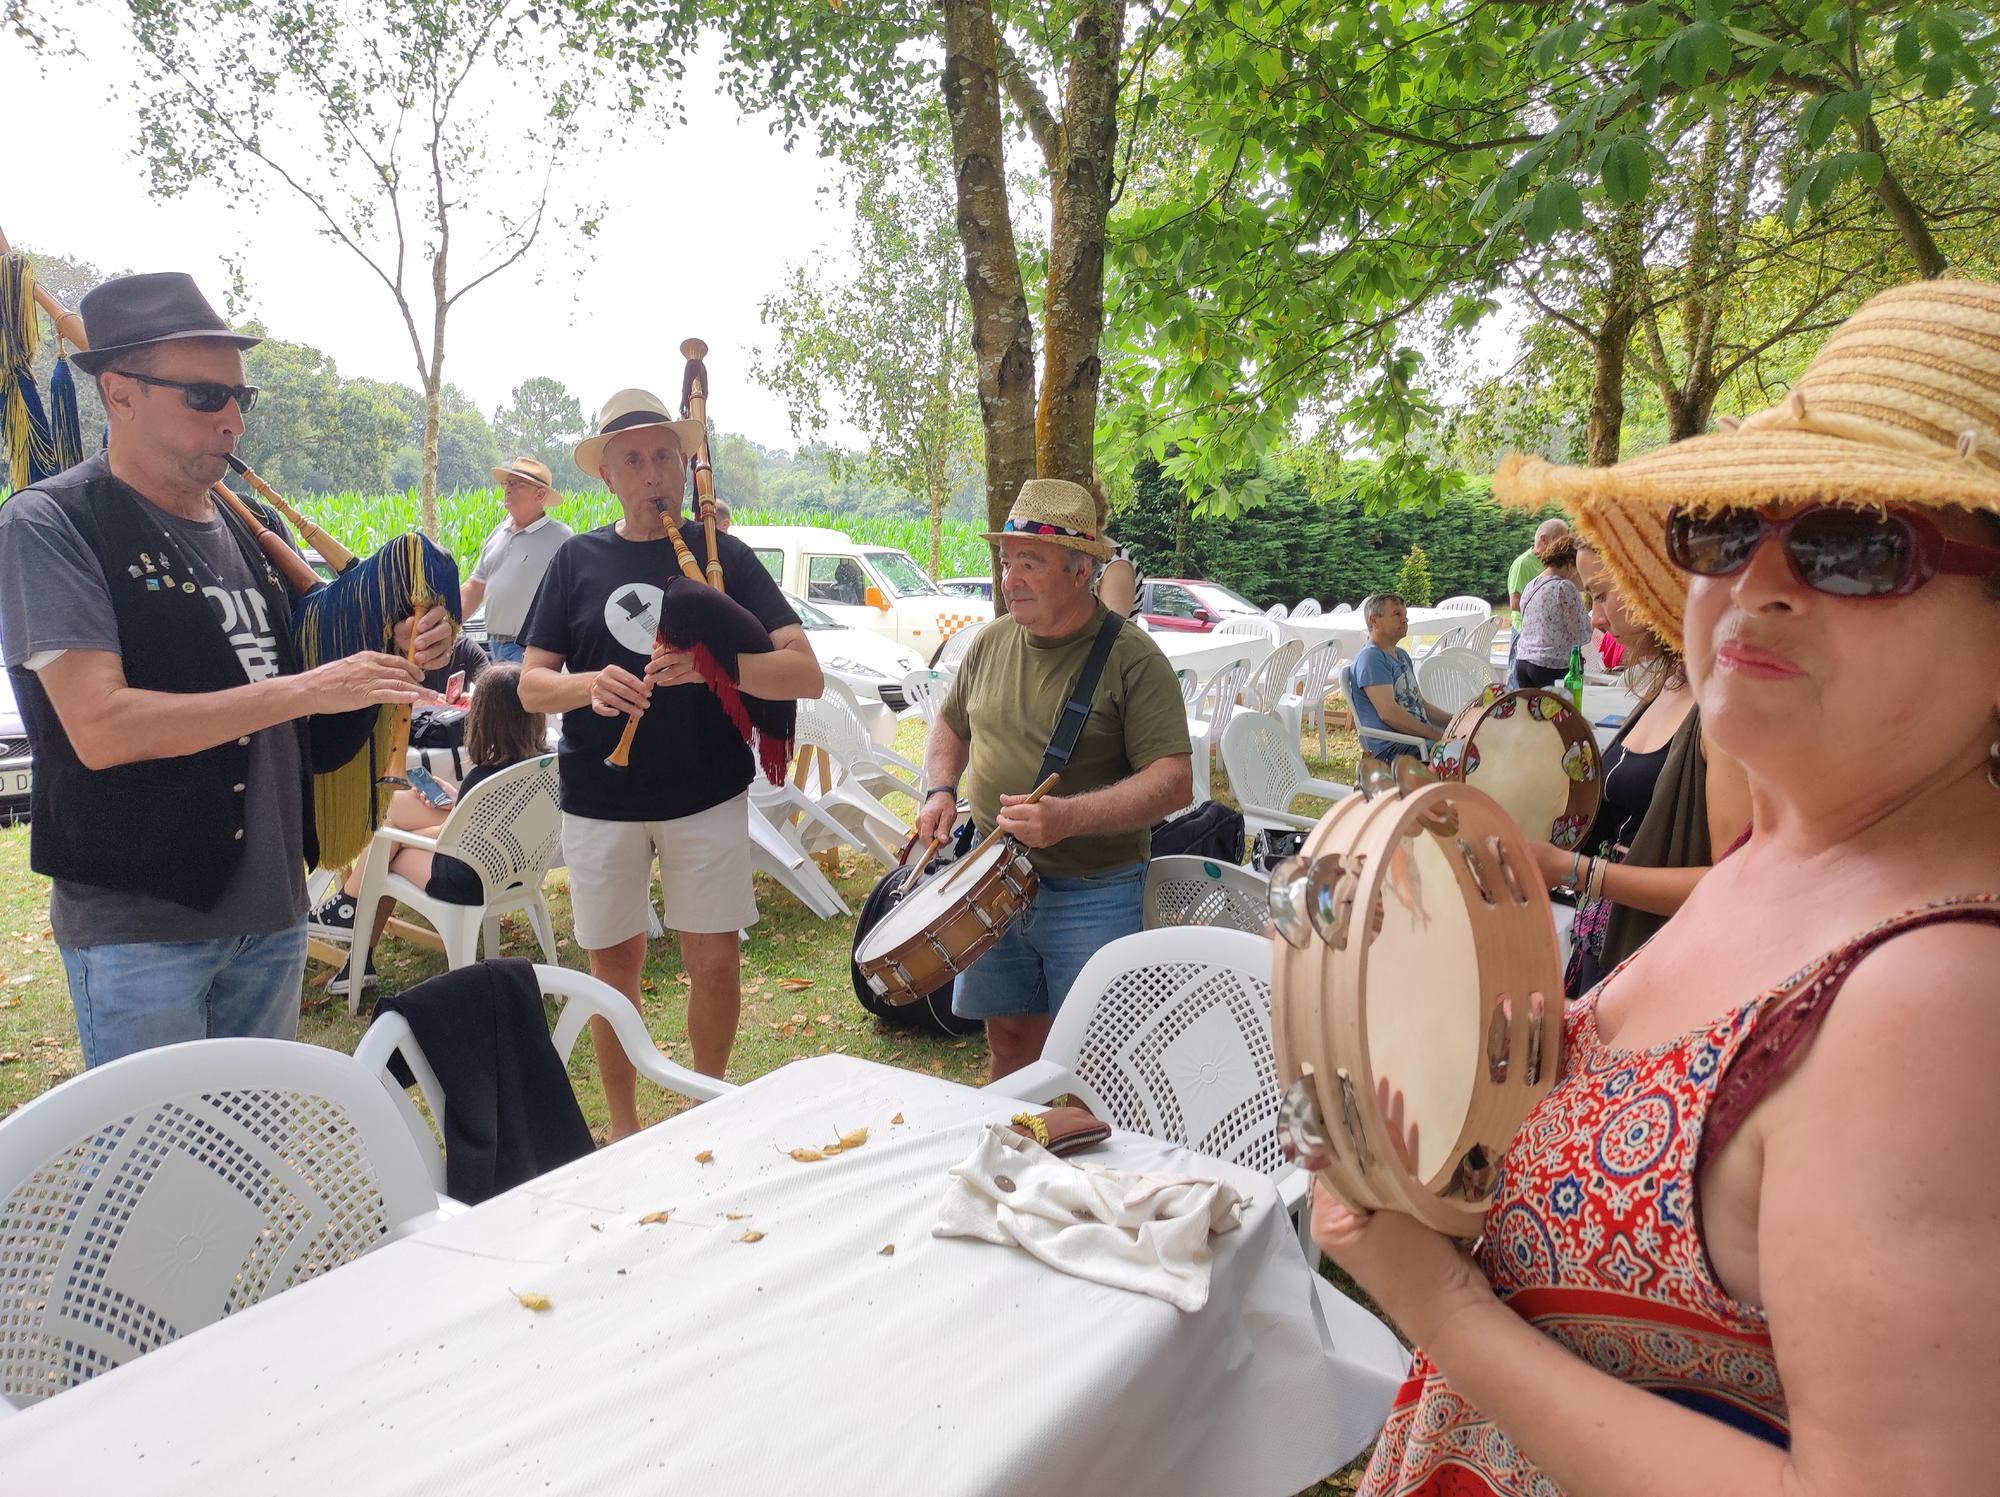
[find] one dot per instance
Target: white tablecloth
(676, 1357)
(1205, 654)
(1350, 631)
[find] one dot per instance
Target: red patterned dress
(1593, 1237)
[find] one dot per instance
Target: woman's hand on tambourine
(436, 630)
(1552, 863)
(615, 690)
(1041, 823)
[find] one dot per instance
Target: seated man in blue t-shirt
(1385, 683)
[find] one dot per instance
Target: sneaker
(338, 984)
(335, 918)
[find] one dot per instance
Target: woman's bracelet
(1575, 863)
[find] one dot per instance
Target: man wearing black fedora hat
(175, 731)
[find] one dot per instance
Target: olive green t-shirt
(1005, 700)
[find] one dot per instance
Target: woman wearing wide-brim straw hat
(1760, 1186)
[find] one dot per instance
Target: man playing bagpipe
(619, 629)
(174, 724)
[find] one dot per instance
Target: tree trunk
(1621, 311)
(427, 479)
(1080, 201)
(1910, 220)
(937, 497)
(1003, 344)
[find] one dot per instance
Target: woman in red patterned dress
(1745, 1245)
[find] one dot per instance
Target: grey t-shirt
(53, 598)
(511, 564)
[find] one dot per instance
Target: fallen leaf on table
(654, 1218)
(855, 1139)
(888, 1251)
(751, 1236)
(706, 1156)
(829, 1150)
(597, 1226)
(535, 1302)
(804, 1156)
(735, 1216)
(896, 1119)
(795, 984)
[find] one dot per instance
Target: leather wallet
(1062, 1130)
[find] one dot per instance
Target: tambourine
(1414, 945)
(1533, 753)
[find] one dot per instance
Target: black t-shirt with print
(596, 607)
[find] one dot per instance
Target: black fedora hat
(134, 311)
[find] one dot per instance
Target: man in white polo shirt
(515, 556)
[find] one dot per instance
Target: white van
(873, 588)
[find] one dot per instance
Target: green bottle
(1573, 682)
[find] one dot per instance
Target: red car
(1186, 605)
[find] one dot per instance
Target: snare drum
(1534, 754)
(1415, 946)
(943, 926)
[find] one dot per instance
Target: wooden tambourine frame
(1574, 770)
(1432, 962)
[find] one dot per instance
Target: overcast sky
(609, 317)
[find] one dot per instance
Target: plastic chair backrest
(1220, 694)
(1480, 640)
(1451, 678)
(829, 726)
(956, 644)
(925, 690)
(1314, 672)
(509, 827)
(1272, 677)
(1244, 623)
(1466, 603)
(1451, 639)
(1276, 611)
(1308, 609)
(151, 1196)
(1257, 748)
(1191, 683)
(1200, 891)
(1168, 1033)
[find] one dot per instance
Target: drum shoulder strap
(1076, 711)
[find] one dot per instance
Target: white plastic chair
(881, 756)
(848, 798)
(583, 998)
(1168, 1033)
(1268, 682)
(925, 690)
(1304, 697)
(1201, 891)
(1308, 609)
(1466, 603)
(151, 1196)
(1276, 611)
(954, 647)
(1480, 640)
(509, 829)
(1451, 639)
(1449, 678)
(1267, 773)
(1348, 689)
(1251, 624)
(1213, 708)
(777, 851)
(1191, 684)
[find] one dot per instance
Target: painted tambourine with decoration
(1414, 947)
(1533, 753)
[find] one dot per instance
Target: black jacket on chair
(509, 1113)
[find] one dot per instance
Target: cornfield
(362, 522)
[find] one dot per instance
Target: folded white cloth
(1147, 1233)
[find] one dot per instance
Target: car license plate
(17, 782)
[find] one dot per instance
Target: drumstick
(930, 851)
(996, 834)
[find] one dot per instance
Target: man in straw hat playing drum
(1088, 839)
(514, 556)
(175, 728)
(590, 655)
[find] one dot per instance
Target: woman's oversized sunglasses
(205, 395)
(1849, 553)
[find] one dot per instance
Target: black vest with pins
(173, 828)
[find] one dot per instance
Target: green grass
(38, 1043)
(362, 522)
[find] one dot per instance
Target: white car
(17, 768)
(873, 588)
(871, 665)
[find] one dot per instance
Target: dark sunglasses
(1849, 553)
(205, 395)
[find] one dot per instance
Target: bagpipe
(695, 614)
(358, 610)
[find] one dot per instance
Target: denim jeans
(512, 650)
(146, 993)
(1031, 968)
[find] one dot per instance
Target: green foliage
(1413, 579)
(543, 420)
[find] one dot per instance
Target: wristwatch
(950, 790)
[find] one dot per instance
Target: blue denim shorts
(511, 651)
(138, 995)
(1031, 968)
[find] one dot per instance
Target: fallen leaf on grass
(654, 1218)
(7, 1057)
(751, 1236)
(795, 984)
(537, 1302)
(888, 1251)
(10, 1003)
(706, 1156)
(27, 977)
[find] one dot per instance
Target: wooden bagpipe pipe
(358, 610)
(700, 619)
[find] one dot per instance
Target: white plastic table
(1205, 654)
(678, 1357)
(1350, 630)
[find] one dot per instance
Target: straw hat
(1902, 406)
(1057, 511)
(625, 411)
(528, 468)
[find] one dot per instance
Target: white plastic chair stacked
(1276, 611)
(848, 799)
(1308, 609)
(509, 829)
(1451, 639)
(885, 764)
(583, 998)
(925, 690)
(1213, 709)
(1304, 698)
(1267, 773)
(954, 647)
(1255, 625)
(1466, 603)
(1268, 682)
(1450, 678)
(154, 1195)
(1168, 1033)
(1480, 640)
(1200, 891)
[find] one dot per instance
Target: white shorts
(704, 873)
